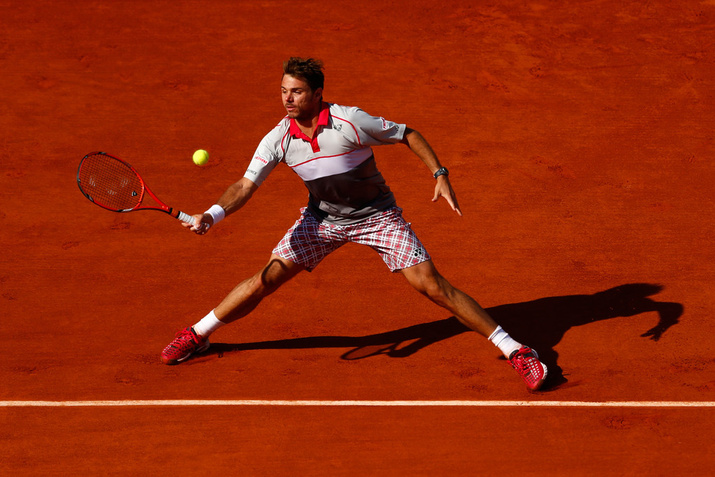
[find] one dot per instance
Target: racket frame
(176, 213)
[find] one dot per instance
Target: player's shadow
(540, 323)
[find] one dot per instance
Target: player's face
(300, 101)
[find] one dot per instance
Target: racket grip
(185, 218)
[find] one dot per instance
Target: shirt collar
(323, 120)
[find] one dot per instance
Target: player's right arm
(237, 195)
(232, 200)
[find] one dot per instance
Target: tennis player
(329, 146)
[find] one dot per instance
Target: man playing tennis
(330, 147)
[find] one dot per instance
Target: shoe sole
(541, 382)
(172, 362)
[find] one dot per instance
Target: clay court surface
(580, 138)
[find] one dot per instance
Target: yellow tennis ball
(201, 157)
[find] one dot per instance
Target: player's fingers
(455, 205)
(438, 192)
(197, 225)
(203, 228)
(452, 201)
(449, 196)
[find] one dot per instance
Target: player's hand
(201, 224)
(444, 189)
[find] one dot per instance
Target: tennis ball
(201, 157)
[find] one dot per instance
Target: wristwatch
(442, 171)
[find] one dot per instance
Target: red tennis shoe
(527, 364)
(186, 343)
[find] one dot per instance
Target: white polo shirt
(337, 164)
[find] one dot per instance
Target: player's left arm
(419, 145)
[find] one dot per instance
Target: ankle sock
(506, 344)
(208, 325)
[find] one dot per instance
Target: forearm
(237, 195)
(419, 145)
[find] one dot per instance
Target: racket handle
(185, 218)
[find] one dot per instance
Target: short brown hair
(308, 69)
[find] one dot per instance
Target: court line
(357, 403)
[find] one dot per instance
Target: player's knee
(427, 280)
(264, 285)
(271, 277)
(436, 289)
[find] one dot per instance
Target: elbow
(412, 137)
(408, 133)
(245, 187)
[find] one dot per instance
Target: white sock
(506, 344)
(208, 325)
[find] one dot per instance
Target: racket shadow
(540, 323)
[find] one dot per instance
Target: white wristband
(217, 213)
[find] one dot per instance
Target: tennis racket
(113, 184)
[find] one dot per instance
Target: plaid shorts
(309, 240)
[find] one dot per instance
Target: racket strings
(110, 182)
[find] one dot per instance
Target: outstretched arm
(419, 145)
(233, 199)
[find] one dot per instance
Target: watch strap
(442, 171)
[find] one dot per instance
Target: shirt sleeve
(374, 131)
(264, 159)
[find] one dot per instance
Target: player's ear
(319, 93)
